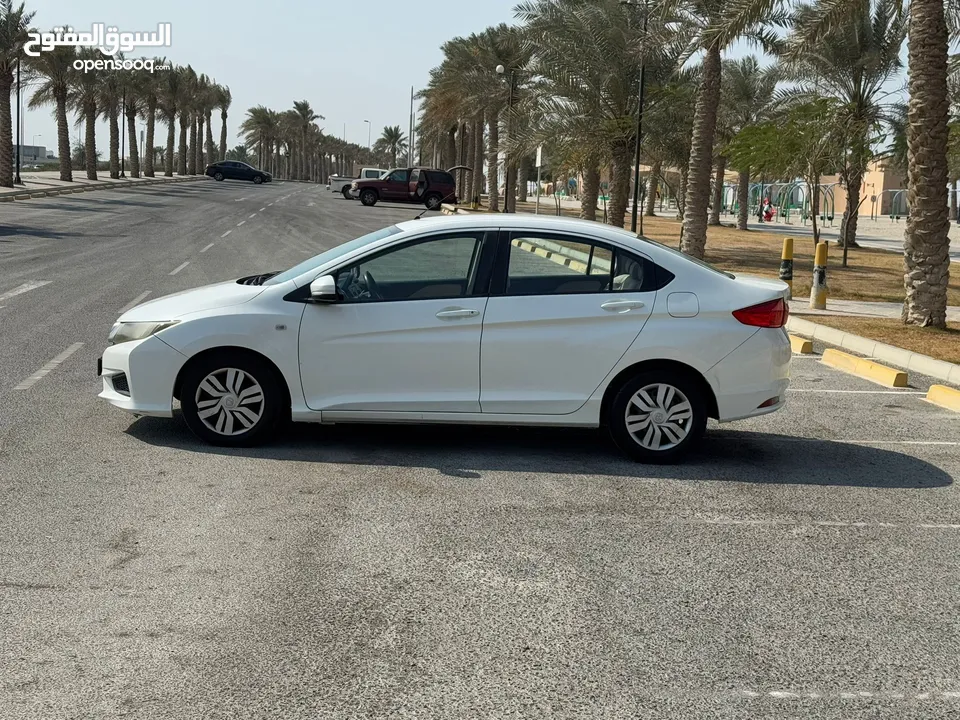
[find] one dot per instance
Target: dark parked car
(233, 170)
(408, 185)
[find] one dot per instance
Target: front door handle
(454, 313)
(621, 306)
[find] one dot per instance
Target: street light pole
(636, 159)
(123, 122)
(369, 127)
(16, 179)
(508, 202)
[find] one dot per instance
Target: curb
(801, 346)
(923, 364)
(861, 367)
(944, 396)
(27, 194)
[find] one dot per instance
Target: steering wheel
(372, 286)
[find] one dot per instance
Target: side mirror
(324, 290)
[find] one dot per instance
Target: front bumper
(149, 368)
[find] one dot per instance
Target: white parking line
(226, 233)
(254, 215)
(858, 392)
(261, 209)
(269, 204)
(39, 374)
(179, 268)
(133, 303)
(241, 223)
(26, 287)
(207, 247)
(239, 199)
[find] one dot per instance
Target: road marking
(39, 374)
(858, 392)
(848, 695)
(774, 522)
(241, 223)
(785, 438)
(226, 233)
(269, 204)
(207, 248)
(311, 204)
(26, 287)
(133, 303)
(239, 199)
(179, 268)
(254, 215)
(261, 209)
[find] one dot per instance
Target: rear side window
(371, 174)
(437, 177)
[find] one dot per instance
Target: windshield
(332, 254)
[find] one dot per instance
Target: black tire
(433, 201)
(345, 191)
(693, 424)
(257, 179)
(271, 409)
(369, 197)
(218, 176)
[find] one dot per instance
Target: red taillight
(771, 314)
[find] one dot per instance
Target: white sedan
(514, 320)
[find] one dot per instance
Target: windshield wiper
(257, 279)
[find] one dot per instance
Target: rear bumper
(753, 375)
(150, 368)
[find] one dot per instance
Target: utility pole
(636, 159)
(410, 134)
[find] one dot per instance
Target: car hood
(209, 297)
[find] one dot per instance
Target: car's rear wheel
(232, 400)
(658, 416)
(345, 191)
(257, 179)
(218, 176)
(433, 201)
(368, 197)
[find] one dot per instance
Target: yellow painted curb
(944, 396)
(866, 369)
(800, 345)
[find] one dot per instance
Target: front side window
(443, 267)
(399, 176)
(543, 264)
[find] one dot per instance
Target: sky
(353, 61)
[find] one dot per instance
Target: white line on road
(858, 392)
(29, 382)
(261, 209)
(239, 199)
(179, 268)
(133, 303)
(269, 204)
(26, 287)
(241, 223)
(254, 215)
(207, 248)
(226, 233)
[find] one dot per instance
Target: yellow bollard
(786, 265)
(818, 291)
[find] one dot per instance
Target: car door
(406, 335)
(395, 187)
(563, 310)
(413, 182)
(231, 170)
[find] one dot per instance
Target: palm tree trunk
(493, 162)
(926, 244)
(718, 191)
(812, 181)
(196, 143)
(171, 140)
(848, 225)
(523, 174)
(682, 190)
(211, 148)
(693, 239)
(743, 199)
(591, 189)
(621, 167)
(132, 134)
(476, 185)
(90, 139)
(223, 134)
(148, 170)
(654, 181)
(63, 140)
(6, 130)
(114, 141)
(182, 145)
(953, 199)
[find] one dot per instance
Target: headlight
(129, 331)
(353, 186)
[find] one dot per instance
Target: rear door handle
(454, 313)
(621, 306)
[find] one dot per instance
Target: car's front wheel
(658, 416)
(218, 176)
(368, 197)
(257, 179)
(232, 400)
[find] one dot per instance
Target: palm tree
(239, 153)
(224, 98)
(151, 99)
(210, 102)
(306, 117)
(170, 93)
(199, 100)
(82, 97)
(108, 105)
(187, 162)
(852, 63)
(257, 130)
(53, 72)
(394, 141)
(14, 23)
(134, 98)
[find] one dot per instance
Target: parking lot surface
(802, 564)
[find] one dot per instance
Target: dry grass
(872, 275)
(941, 344)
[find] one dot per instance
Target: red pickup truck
(418, 185)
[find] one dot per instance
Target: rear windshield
(439, 178)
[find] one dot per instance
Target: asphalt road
(801, 565)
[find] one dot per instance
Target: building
(883, 192)
(31, 153)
